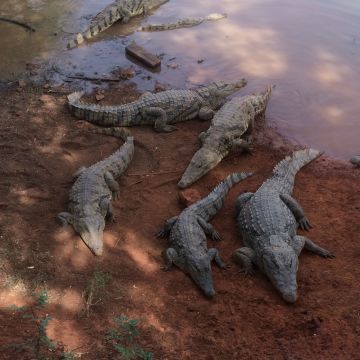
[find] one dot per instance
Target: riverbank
(42, 145)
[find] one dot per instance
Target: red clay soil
(42, 145)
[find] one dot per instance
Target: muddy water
(309, 49)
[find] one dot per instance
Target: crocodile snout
(209, 293)
(290, 297)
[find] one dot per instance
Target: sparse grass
(95, 290)
(39, 345)
(123, 339)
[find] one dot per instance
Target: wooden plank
(142, 55)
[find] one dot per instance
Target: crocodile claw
(216, 236)
(327, 254)
(247, 271)
(304, 224)
(161, 234)
(116, 195)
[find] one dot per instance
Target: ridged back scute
(119, 160)
(209, 206)
(284, 172)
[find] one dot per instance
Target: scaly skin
(355, 160)
(120, 10)
(187, 234)
(160, 109)
(183, 23)
(268, 220)
(228, 127)
(91, 195)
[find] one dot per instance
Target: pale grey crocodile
(230, 125)
(182, 23)
(91, 195)
(268, 220)
(120, 10)
(160, 109)
(355, 160)
(187, 234)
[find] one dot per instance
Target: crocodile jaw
(281, 268)
(94, 241)
(227, 88)
(91, 230)
(202, 276)
(202, 162)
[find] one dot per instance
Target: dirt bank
(42, 145)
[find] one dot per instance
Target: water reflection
(310, 49)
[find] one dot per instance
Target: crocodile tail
(119, 161)
(210, 205)
(96, 114)
(285, 171)
(101, 22)
(118, 132)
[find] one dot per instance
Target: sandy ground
(42, 145)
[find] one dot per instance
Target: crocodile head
(259, 102)
(91, 231)
(199, 269)
(281, 266)
(217, 91)
(216, 147)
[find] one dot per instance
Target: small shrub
(123, 339)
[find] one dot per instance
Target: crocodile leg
(145, 9)
(126, 15)
(214, 255)
(165, 230)
(160, 123)
(106, 208)
(206, 113)
(65, 218)
(298, 243)
(241, 201)
(241, 144)
(246, 257)
(208, 229)
(201, 137)
(112, 184)
(297, 211)
(311, 246)
(170, 256)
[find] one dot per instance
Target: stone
(189, 196)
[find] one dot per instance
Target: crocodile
(187, 233)
(160, 109)
(120, 10)
(355, 160)
(268, 220)
(182, 23)
(91, 195)
(233, 122)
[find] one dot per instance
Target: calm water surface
(310, 49)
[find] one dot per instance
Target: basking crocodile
(120, 10)
(228, 127)
(355, 160)
(91, 195)
(188, 249)
(183, 23)
(268, 220)
(160, 109)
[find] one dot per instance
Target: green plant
(39, 345)
(123, 339)
(95, 289)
